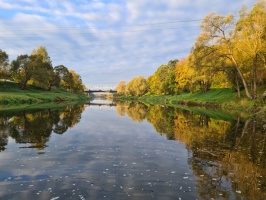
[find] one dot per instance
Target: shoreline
(215, 100)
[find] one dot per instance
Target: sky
(106, 41)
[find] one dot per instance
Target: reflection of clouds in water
(108, 156)
(119, 160)
(102, 156)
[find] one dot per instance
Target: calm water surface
(130, 151)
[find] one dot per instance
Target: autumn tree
(67, 82)
(217, 40)
(77, 86)
(251, 41)
(184, 76)
(137, 86)
(121, 88)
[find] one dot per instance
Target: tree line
(227, 53)
(37, 69)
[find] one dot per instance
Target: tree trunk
(237, 87)
(49, 86)
(23, 86)
(255, 75)
(242, 77)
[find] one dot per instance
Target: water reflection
(112, 157)
(162, 118)
(34, 128)
(228, 157)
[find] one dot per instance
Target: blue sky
(106, 41)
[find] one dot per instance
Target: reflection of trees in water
(228, 157)
(162, 118)
(70, 116)
(225, 156)
(35, 128)
(121, 109)
(135, 110)
(3, 133)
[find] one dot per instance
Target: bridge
(100, 104)
(100, 91)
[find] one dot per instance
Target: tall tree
(61, 71)
(23, 69)
(4, 63)
(68, 82)
(44, 75)
(42, 51)
(251, 37)
(170, 82)
(184, 76)
(217, 38)
(53, 79)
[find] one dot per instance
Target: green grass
(10, 93)
(214, 97)
(217, 98)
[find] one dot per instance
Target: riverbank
(10, 93)
(224, 99)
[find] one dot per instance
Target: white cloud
(106, 41)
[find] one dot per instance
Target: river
(130, 151)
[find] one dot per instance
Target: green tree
(43, 76)
(157, 82)
(170, 82)
(4, 63)
(42, 51)
(68, 82)
(53, 79)
(163, 80)
(62, 72)
(23, 69)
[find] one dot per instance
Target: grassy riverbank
(224, 99)
(10, 93)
